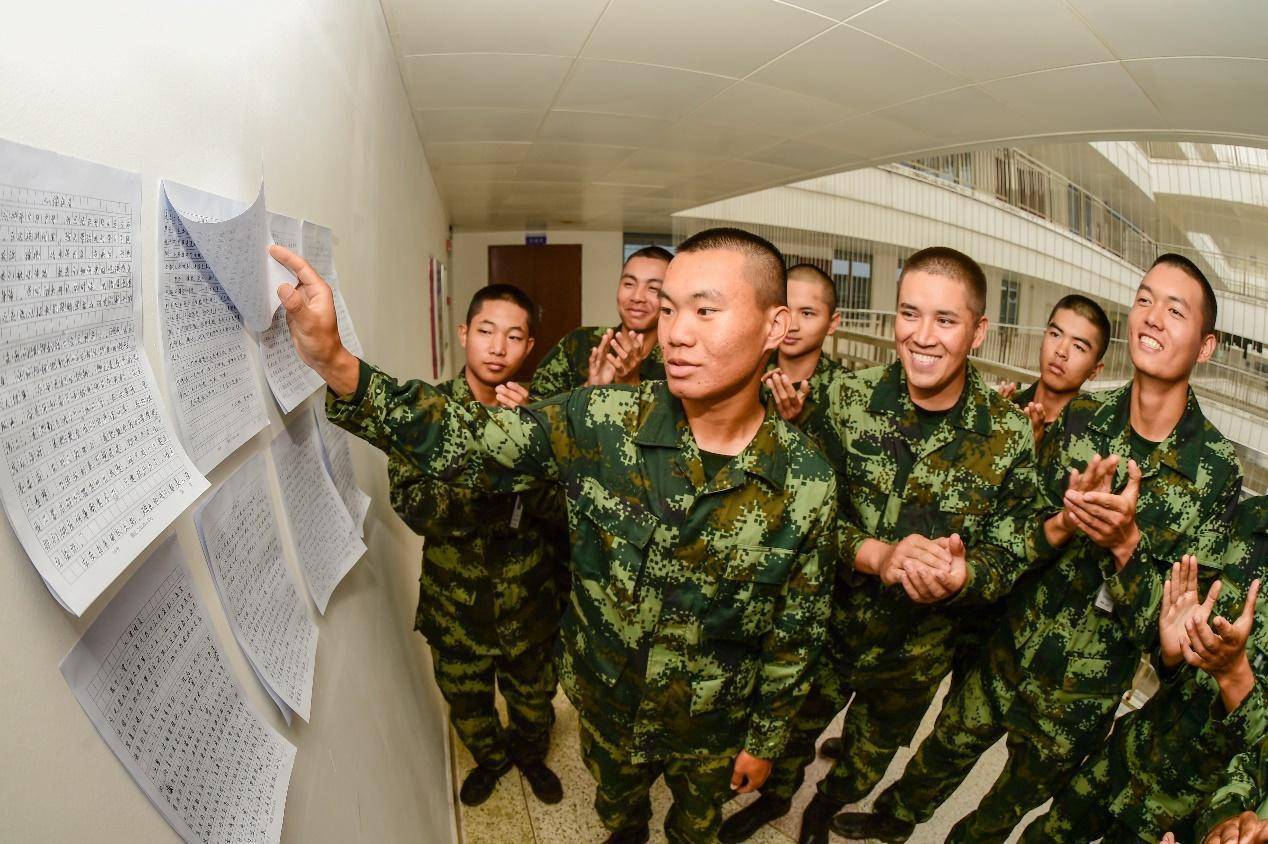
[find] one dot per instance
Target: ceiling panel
(733, 43)
(1207, 94)
(1078, 99)
(586, 127)
(491, 26)
(483, 80)
(986, 39)
(1146, 28)
(479, 152)
(845, 65)
(625, 88)
(747, 105)
(477, 124)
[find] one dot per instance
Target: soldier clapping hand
(1245, 828)
(1108, 518)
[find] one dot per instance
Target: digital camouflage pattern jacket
(716, 591)
(974, 476)
(488, 582)
(1077, 658)
(1244, 789)
(567, 366)
(814, 421)
(1178, 746)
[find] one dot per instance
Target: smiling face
(496, 341)
(636, 295)
(712, 330)
(811, 318)
(1164, 326)
(1068, 356)
(935, 330)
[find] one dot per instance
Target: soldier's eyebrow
(709, 294)
(947, 312)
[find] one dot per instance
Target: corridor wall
(307, 95)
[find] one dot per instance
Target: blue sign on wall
(535, 238)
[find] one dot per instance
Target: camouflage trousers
(878, 723)
(527, 683)
(622, 798)
(1081, 810)
(972, 719)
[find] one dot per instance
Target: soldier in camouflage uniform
(1163, 759)
(567, 366)
(1237, 813)
(1053, 675)
(799, 374)
(702, 541)
(940, 480)
(1074, 343)
(487, 601)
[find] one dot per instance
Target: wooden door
(551, 275)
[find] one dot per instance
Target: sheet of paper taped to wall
(328, 542)
(290, 379)
(317, 247)
(151, 678)
(235, 246)
(91, 470)
(267, 614)
(211, 382)
(338, 458)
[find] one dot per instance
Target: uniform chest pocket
(619, 536)
(743, 606)
(965, 516)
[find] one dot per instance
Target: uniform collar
(1181, 450)
(891, 397)
(460, 390)
(663, 424)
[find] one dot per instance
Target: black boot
(479, 784)
(637, 835)
(815, 820)
(542, 780)
(831, 748)
(745, 823)
(874, 826)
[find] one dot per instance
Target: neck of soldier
(1052, 400)
(726, 424)
(800, 368)
(648, 342)
(484, 393)
(1157, 405)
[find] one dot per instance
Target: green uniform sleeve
(1137, 587)
(996, 563)
(1244, 789)
(554, 374)
(792, 646)
(446, 440)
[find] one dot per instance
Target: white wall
(208, 94)
(600, 269)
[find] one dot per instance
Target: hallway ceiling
(616, 113)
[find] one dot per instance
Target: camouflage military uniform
(1053, 676)
(698, 604)
(1161, 760)
(567, 366)
(815, 421)
(974, 476)
(1244, 788)
(487, 604)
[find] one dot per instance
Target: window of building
(852, 272)
(1009, 301)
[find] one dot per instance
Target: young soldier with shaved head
(1133, 479)
(701, 527)
(938, 468)
(632, 344)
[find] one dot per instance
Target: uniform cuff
(766, 737)
(339, 409)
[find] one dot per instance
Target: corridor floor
(513, 816)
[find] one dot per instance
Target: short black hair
(950, 263)
(657, 253)
(1210, 308)
(1090, 311)
(765, 263)
(504, 293)
(813, 273)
